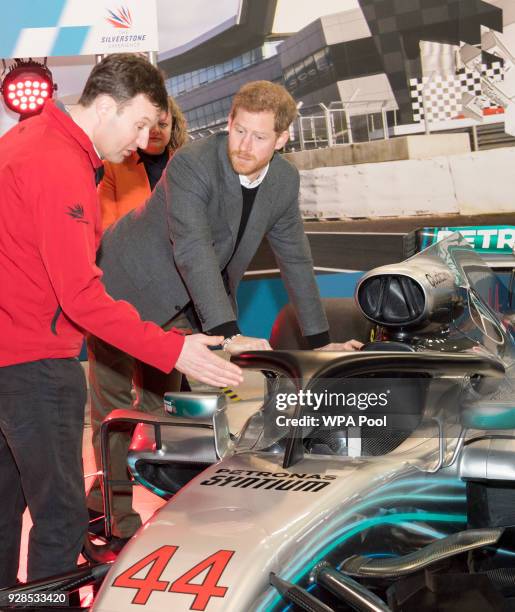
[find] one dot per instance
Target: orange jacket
(124, 187)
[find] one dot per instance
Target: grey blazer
(172, 249)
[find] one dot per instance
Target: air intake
(392, 299)
(415, 293)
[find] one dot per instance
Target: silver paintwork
(265, 528)
(489, 459)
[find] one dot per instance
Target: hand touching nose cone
(197, 361)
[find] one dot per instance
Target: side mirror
(196, 406)
(208, 408)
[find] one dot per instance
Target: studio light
(26, 87)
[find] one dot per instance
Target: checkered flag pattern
(443, 94)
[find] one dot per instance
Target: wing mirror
(196, 406)
(207, 408)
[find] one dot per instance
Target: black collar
(152, 159)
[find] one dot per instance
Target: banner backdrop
(44, 28)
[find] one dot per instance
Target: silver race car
(376, 480)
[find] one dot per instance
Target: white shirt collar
(97, 152)
(245, 182)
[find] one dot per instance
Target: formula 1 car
(377, 480)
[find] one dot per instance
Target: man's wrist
(228, 341)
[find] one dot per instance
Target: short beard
(233, 155)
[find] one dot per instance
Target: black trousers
(41, 426)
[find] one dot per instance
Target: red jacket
(49, 231)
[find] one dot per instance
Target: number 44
(156, 563)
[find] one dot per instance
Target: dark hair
(261, 96)
(179, 134)
(123, 76)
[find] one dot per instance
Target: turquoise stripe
(326, 536)
(424, 481)
(70, 40)
(359, 527)
(339, 524)
(501, 420)
(22, 14)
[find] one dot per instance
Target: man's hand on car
(350, 345)
(240, 344)
(197, 361)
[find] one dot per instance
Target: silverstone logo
(277, 481)
(122, 18)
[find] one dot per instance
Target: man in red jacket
(51, 293)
